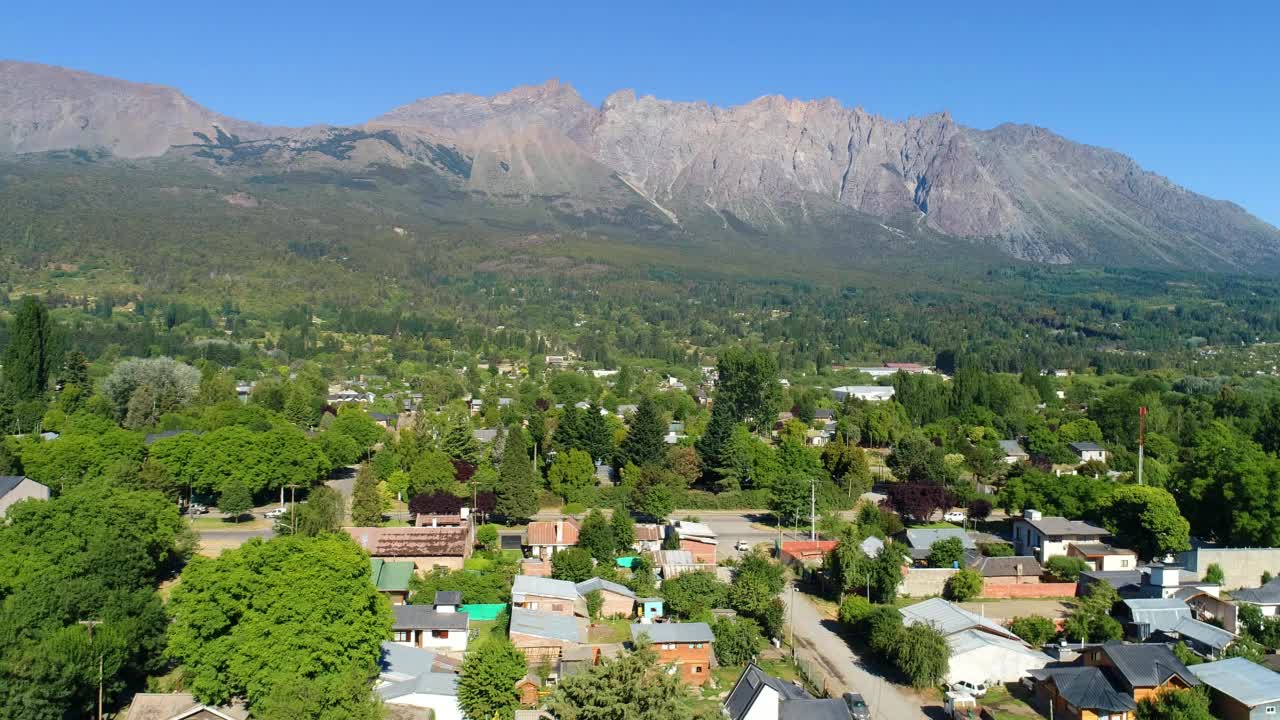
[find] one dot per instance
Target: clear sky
(1191, 90)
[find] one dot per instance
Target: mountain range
(809, 178)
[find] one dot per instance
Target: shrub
(883, 626)
(946, 553)
(738, 640)
(1035, 629)
(855, 609)
(964, 585)
(1213, 574)
(996, 549)
(1065, 569)
(922, 655)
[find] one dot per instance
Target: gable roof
(688, 530)
(543, 532)
(412, 541)
(447, 597)
(924, 538)
(391, 576)
(1087, 447)
(744, 692)
(698, 632)
(1086, 687)
(397, 659)
(425, 617)
(1268, 594)
(973, 639)
(1242, 680)
(175, 706)
(552, 626)
(544, 587)
(1146, 665)
(949, 619)
(9, 482)
(1159, 613)
(1052, 526)
(1202, 632)
(648, 532)
(596, 583)
(1015, 566)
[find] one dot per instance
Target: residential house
(1101, 556)
(1047, 537)
(1081, 692)
(461, 519)
(823, 415)
(870, 393)
(547, 537)
(697, 538)
(413, 677)
(16, 488)
(392, 579)
(805, 553)
(543, 636)
(1240, 689)
(982, 650)
(757, 695)
(908, 367)
(1013, 452)
(383, 420)
(1109, 680)
(180, 706)
(920, 540)
(1013, 570)
(627, 409)
(477, 406)
(648, 537)
(441, 626)
(545, 594)
(619, 600)
(426, 547)
(687, 646)
(535, 567)
(1089, 452)
(485, 435)
(871, 546)
(1172, 620)
(1266, 598)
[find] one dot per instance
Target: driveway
(816, 640)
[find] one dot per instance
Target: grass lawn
(212, 523)
(611, 630)
(935, 526)
(710, 697)
(1008, 706)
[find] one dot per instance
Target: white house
(1089, 451)
(1013, 452)
(439, 626)
(1046, 537)
(981, 649)
(871, 393)
(413, 677)
(760, 696)
(14, 488)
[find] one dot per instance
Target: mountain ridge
(776, 167)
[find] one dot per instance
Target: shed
(650, 608)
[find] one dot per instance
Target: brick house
(544, 594)
(687, 646)
(619, 600)
(426, 547)
(547, 537)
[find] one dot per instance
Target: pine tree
(624, 529)
(461, 444)
(297, 406)
(596, 536)
(75, 369)
(644, 444)
(26, 358)
(597, 436)
(366, 499)
(517, 488)
(719, 431)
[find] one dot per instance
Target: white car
(968, 688)
(743, 546)
(275, 513)
(954, 516)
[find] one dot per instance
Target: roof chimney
(560, 532)
(1033, 515)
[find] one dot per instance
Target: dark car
(858, 708)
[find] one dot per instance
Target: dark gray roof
(1268, 594)
(1121, 580)
(9, 482)
(1242, 680)
(1146, 665)
(1086, 687)
(425, 617)
(699, 632)
(448, 597)
(1008, 566)
(748, 686)
(833, 709)
(1052, 526)
(510, 542)
(1087, 447)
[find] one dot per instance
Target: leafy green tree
(169, 385)
(356, 424)
(301, 406)
(738, 640)
(916, 459)
(487, 685)
(692, 595)
(883, 629)
(573, 564)
(261, 615)
(488, 587)
(947, 552)
(595, 601)
(432, 472)
(321, 513)
(596, 537)
(922, 655)
(854, 609)
(235, 500)
(597, 435)
(573, 476)
(517, 486)
(789, 499)
(624, 530)
(964, 585)
(644, 443)
(366, 498)
(652, 496)
(749, 385)
(629, 687)
(1146, 519)
(340, 696)
(847, 465)
(1091, 621)
(1063, 568)
(1175, 704)
(28, 354)
(1230, 488)
(1035, 629)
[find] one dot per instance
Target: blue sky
(1188, 89)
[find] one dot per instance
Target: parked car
(197, 509)
(967, 688)
(274, 513)
(743, 546)
(954, 516)
(858, 708)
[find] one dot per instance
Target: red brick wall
(688, 658)
(1027, 590)
(703, 553)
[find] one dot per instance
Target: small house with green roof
(392, 578)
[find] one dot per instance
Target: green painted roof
(391, 576)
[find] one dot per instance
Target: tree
(459, 443)
(1230, 488)
(947, 552)
(487, 536)
(322, 513)
(917, 460)
(1063, 568)
(573, 564)
(235, 500)
(719, 430)
(979, 509)
(789, 499)
(366, 498)
(432, 472)
(644, 443)
(748, 383)
(624, 529)
(629, 687)
(573, 476)
(595, 602)
(847, 465)
(487, 684)
(517, 488)
(27, 356)
(652, 496)
(170, 385)
(266, 613)
(341, 696)
(1176, 704)
(1035, 629)
(917, 500)
(854, 609)
(692, 595)
(883, 629)
(964, 585)
(1146, 519)
(738, 640)
(1091, 621)
(1213, 574)
(596, 537)
(437, 503)
(356, 424)
(922, 655)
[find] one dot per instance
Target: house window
(557, 607)
(697, 669)
(1271, 710)
(440, 634)
(404, 635)
(697, 646)
(1124, 562)
(668, 646)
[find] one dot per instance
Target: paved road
(816, 640)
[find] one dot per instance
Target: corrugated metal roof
(674, 632)
(543, 586)
(924, 538)
(547, 625)
(1087, 687)
(1240, 679)
(596, 583)
(948, 619)
(1204, 633)
(391, 576)
(969, 640)
(425, 617)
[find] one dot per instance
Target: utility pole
(91, 624)
(1142, 433)
(293, 509)
(813, 523)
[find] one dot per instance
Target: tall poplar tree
(26, 359)
(517, 487)
(366, 500)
